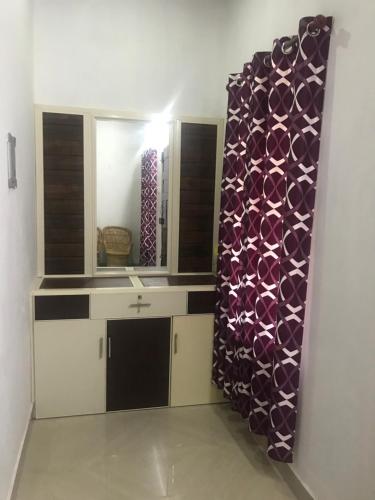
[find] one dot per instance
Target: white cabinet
(192, 361)
(70, 367)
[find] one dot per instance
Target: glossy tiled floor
(192, 453)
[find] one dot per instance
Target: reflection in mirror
(132, 163)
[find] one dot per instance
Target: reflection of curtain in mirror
(148, 207)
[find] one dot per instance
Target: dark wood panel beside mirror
(63, 193)
(197, 193)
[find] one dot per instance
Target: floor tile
(191, 453)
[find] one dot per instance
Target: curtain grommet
(312, 29)
(267, 61)
(287, 48)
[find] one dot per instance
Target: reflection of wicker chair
(99, 238)
(118, 244)
(100, 249)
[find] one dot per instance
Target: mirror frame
(137, 270)
(90, 115)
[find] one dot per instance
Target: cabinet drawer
(51, 307)
(201, 302)
(137, 305)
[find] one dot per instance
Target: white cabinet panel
(122, 305)
(192, 361)
(70, 364)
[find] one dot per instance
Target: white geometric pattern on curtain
(267, 203)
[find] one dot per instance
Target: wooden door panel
(197, 192)
(63, 175)
(192, 361)
(138, 363)
(69, 367)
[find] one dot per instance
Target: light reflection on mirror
(132, 165)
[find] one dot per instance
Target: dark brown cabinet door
(63, 193)
(138, 356)
(197, 193)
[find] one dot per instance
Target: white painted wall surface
(142, 55)
(17, 240)
(335, 453)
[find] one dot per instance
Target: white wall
(143, 55)
(17, 241)
(335, 453)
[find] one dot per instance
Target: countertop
(113, 284)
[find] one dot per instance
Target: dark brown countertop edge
(125, 282)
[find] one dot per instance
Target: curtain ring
(312, 29)
(287, 48)
(267, 61)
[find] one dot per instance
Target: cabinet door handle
(140, 305)
(101, 343)
(175, 343)
(109, 348)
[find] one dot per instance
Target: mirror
(132, 191)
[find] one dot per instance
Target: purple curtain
(149, 173)
(267, 204)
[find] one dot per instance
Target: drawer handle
(101, 341)
(139, 305)
(175, 343)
